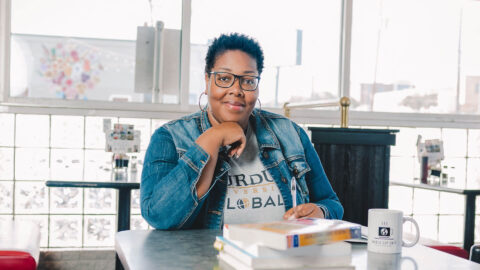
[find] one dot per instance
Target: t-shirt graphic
(252, 194)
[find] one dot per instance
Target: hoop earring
(259, 103)
(200, 106)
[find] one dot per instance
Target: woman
(229, 162)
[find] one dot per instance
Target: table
(193, 249)
(124, 196)
(123, 203)
(470, 192)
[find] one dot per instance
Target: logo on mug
(384, 231)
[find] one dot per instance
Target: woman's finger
(304, 210)
(289, 214)
(241, 147)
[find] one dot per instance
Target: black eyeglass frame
(235, 77)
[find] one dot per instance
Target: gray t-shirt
(252, 194)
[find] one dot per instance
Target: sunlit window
(300, 40)
(415, 56)
(81, 50)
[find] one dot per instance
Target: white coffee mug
(385, 231)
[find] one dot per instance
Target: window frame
(7, 100)
(171, 111)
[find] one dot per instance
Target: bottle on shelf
(444, 175)
(120, 167)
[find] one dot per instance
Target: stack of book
(305, 243)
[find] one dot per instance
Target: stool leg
(118, 263)
(475, 253)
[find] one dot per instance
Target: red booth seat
(18, 260)
(19, 245)
(457, 251)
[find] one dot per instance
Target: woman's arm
(211, 140)
(173, 189)
(167, 192)
(320, 190)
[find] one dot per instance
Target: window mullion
(5, 23)
(185, 54)
(345, 48)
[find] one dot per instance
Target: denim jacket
(174, 162)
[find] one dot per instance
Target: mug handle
(417, 232)
(415, 266)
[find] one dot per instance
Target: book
(363, 239)
(253, 250)
(286, 234)
(227, 261)
(260, 257)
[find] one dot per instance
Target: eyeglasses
(226, 80)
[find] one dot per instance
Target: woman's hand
(226, 133)
(304, 210)
(233, 136)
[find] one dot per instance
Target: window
(415, 56)
(81, 50)
(300, 40)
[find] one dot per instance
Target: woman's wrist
(210, 141)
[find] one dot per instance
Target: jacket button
(284, 180)
(295, 171)
(265, 154)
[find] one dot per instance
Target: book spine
(300, 240)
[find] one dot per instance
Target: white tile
(31, 197)
(32, 130)
(138, 223)
(135, 203)
(66, 200)
(67, 131)
(98, 165)
(6, 197)
(42, 221)
(66, 164)
(6, 163)
(100, 201)
(474, 142)
(65, 231)
(32, 164)
(405, 142)
(428, 225)
(400, 198)
(450, 229)
(477, 228)
(454, 142)
(99, 231)
(473, 171)
(7, 127)
(451, 203)
(6, 217)
(477, 206)
(425, 202)
(402, 169)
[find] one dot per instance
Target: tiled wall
(440, 215)
(35, 148)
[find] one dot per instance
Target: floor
(77, 259)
